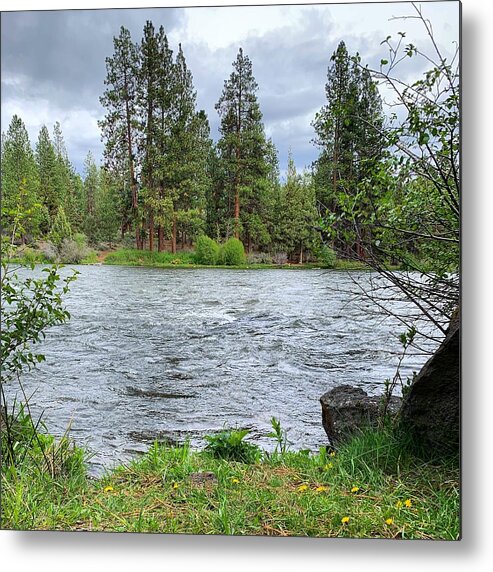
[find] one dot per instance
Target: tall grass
(133, 257)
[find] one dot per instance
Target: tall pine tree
(120, 124)
(242, 146)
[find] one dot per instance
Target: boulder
(431, 410)
(345, 409)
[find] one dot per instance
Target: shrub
(206, 250)
(327, 256)
(229, 445)
(232, 253)
(259, 258)
(72, 252)
(49, 251)
(280, 258)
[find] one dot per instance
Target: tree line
(165, 182)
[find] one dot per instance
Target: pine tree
(189, 150)
(106, 209)
(91, 188)
(347, 130)
(65, 176)
(46, 161)
(121, 121)
(60, 229)
(298, 213)
(20, 183)
(242, 146)
(147, 97)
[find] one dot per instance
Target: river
(152, 353)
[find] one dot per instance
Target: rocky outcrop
(345, 409)
(431, 411)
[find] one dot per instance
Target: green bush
(326, 256)
(206, 250)
(60, 229)
(232, 253)
(229, 445)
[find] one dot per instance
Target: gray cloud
(53, 68)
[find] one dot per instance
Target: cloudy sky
(53, 62)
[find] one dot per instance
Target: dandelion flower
(389, 521)
(321, 489)
(398, 504)
(345, 519)
(108, 489)
(328, 466)
(332, 454)
(176, 485)
(302, 488)
(235, 481)
(408, 503)
(355, 489)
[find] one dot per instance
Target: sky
(53, 61)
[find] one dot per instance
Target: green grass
(133, 257)
(180, 490)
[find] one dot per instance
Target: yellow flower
(108, 489)
(345, 519)
(328, 466)
(176, 485)
(302, 488)
(408, 503)
(389, 521)
(321, 489)
(355, 489)
(398, 504)
(235, 481)
(332, 454)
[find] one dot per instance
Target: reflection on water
(152, 353)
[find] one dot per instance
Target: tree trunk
(151, 231)
(173, 236)
(160, 238)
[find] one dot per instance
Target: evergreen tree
(20, 183)
(147, 97)
(242, 146)
(60, 229)
(91, 188)
(298, 214)
(347, 130)
(120, 123)
(46, 160)
(107, 208)
(189, 151)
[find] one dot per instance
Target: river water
(152, 353)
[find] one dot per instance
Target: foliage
(134, 257)
(291, 494)
(232, 253)
(73, 251)
(229, 444)
(280, 435)
(326, 256)
(206, 250)
(61, 229)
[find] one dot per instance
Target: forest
(382, 199)
(164, 183)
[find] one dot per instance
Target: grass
(372, 488)
(185, 259)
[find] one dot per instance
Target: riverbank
(185, 259)
(370, 488)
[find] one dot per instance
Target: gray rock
(431, 411)
(345, 409)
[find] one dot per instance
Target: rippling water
(153, 353)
